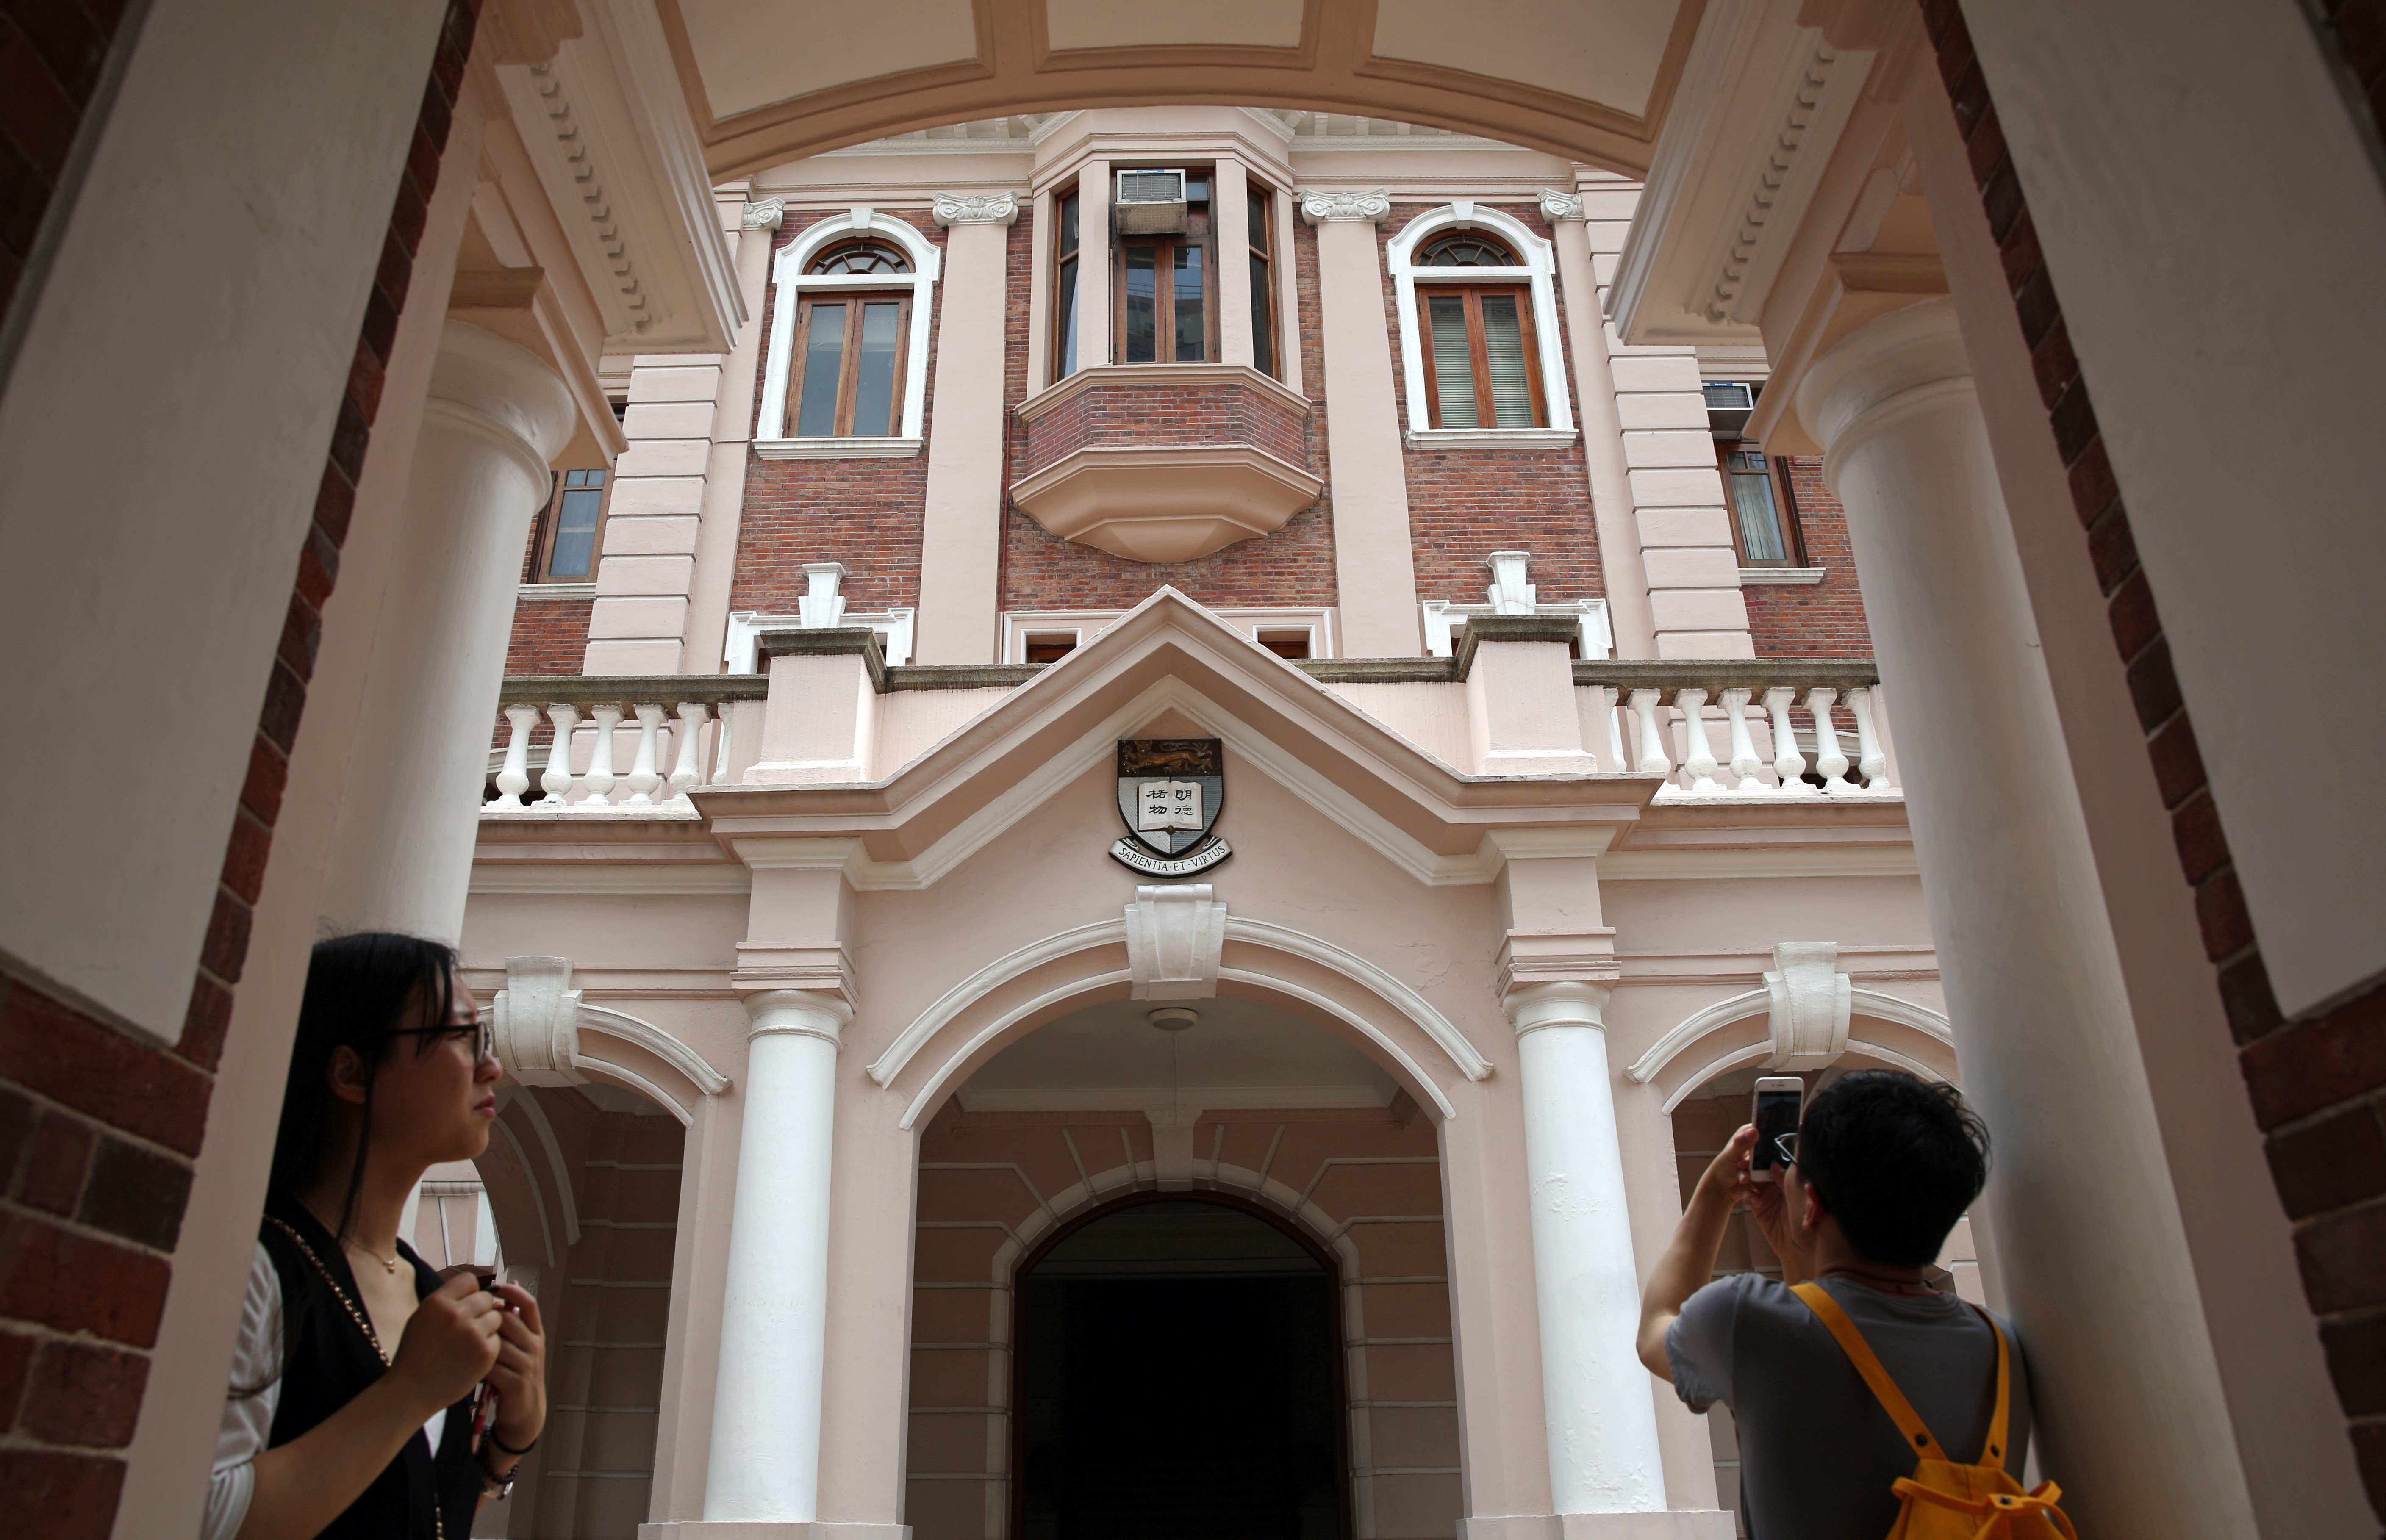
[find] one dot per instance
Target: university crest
(1170, 790)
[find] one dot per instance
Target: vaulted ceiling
(771, 81)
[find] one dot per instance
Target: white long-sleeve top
(249, 1419)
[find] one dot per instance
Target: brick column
(1679, 508)
(961, 533)
(1374, 564)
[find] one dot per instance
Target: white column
(766, 1404)
(2097, 1273)
(409, 812)
(1602, 431)
(1093, 266)
(961, 534)
(1595, 1394)
(1375, 563)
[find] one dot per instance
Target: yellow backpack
(1943, 1500)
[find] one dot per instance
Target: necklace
(388, 1264)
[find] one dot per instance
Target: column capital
(796, 1012)
(1880, 371)
(1556, 1003)
(975, 209)
(1321, 208)
(763, 214)
(1557, 205)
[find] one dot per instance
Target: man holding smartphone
(1859, 1199)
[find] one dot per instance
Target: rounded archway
(1177, 1373)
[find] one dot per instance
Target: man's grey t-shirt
(1818, 1455)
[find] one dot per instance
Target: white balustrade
(675, 717)
(1757, 701)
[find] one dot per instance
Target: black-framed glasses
(485, 1036)
(1787, 1144)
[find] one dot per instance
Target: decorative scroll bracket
(1174, 939)
(536, 1021)
(1810, 1002)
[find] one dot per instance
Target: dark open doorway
(1179, 1378)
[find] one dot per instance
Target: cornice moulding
(1094, 376)
(1761, 106)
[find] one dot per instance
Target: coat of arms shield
(1170, 793)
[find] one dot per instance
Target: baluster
(600, 779)
(1788, 763)
(721, 747)
(1699, 760)
(1615, 759)
(642, 779)
(1744, 762)
(1654, 760)
(514, 779)
(686, 773)
(1871, 763)
(558, 779)
(1829, 763)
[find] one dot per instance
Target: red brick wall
(1226, 411)
(550, 637)
(98, 1130)
(1464, 504)
(1825, 620)
(863, 513)
(1294, 566)
(2317, 1083)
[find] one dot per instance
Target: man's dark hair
(1895, 1159)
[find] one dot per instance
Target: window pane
(576, 531)
(1263, 317)
(1503, 351)
(873, 384)
(1760, 527)
(1142, 302)
(1258, 221)
(1068, 295)
(824, 358)
(1453, 363)
(1069, 225)
(1192, 336)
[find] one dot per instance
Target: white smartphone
(1779, 1101)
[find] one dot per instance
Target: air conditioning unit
(1150, 202)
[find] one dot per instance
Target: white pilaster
(1602, 432)
(766, 1409)
(1601, 1422)
(1375, 563)
(1682, 522)
(408, 817)
(648, 567)
(961, 537)
(1093, 266)
(1230, 217)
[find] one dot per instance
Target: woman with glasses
(369, 1397)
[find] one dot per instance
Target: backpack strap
(1884, 1389)
(1995, 1454)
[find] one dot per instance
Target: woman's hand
(450, 1344)
(520, 1374)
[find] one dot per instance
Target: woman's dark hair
(1895, 1159)
(361, 990)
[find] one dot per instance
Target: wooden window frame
(849, 364)
(1522, 292)
(550, 521)
(1066, 266)
(1785, 506)
(821, 258)
(1164, 267)
(1259, 236)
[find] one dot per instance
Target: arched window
(849, 343)
(1471, 249)
(861, 256)
(1478, 332)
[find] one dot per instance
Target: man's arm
(1688, 1259)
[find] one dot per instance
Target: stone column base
(772, 1529)
(1705, 1523)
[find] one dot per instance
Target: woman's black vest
(330, 1359)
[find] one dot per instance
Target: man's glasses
(1787, 1144)
(484, 1035)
